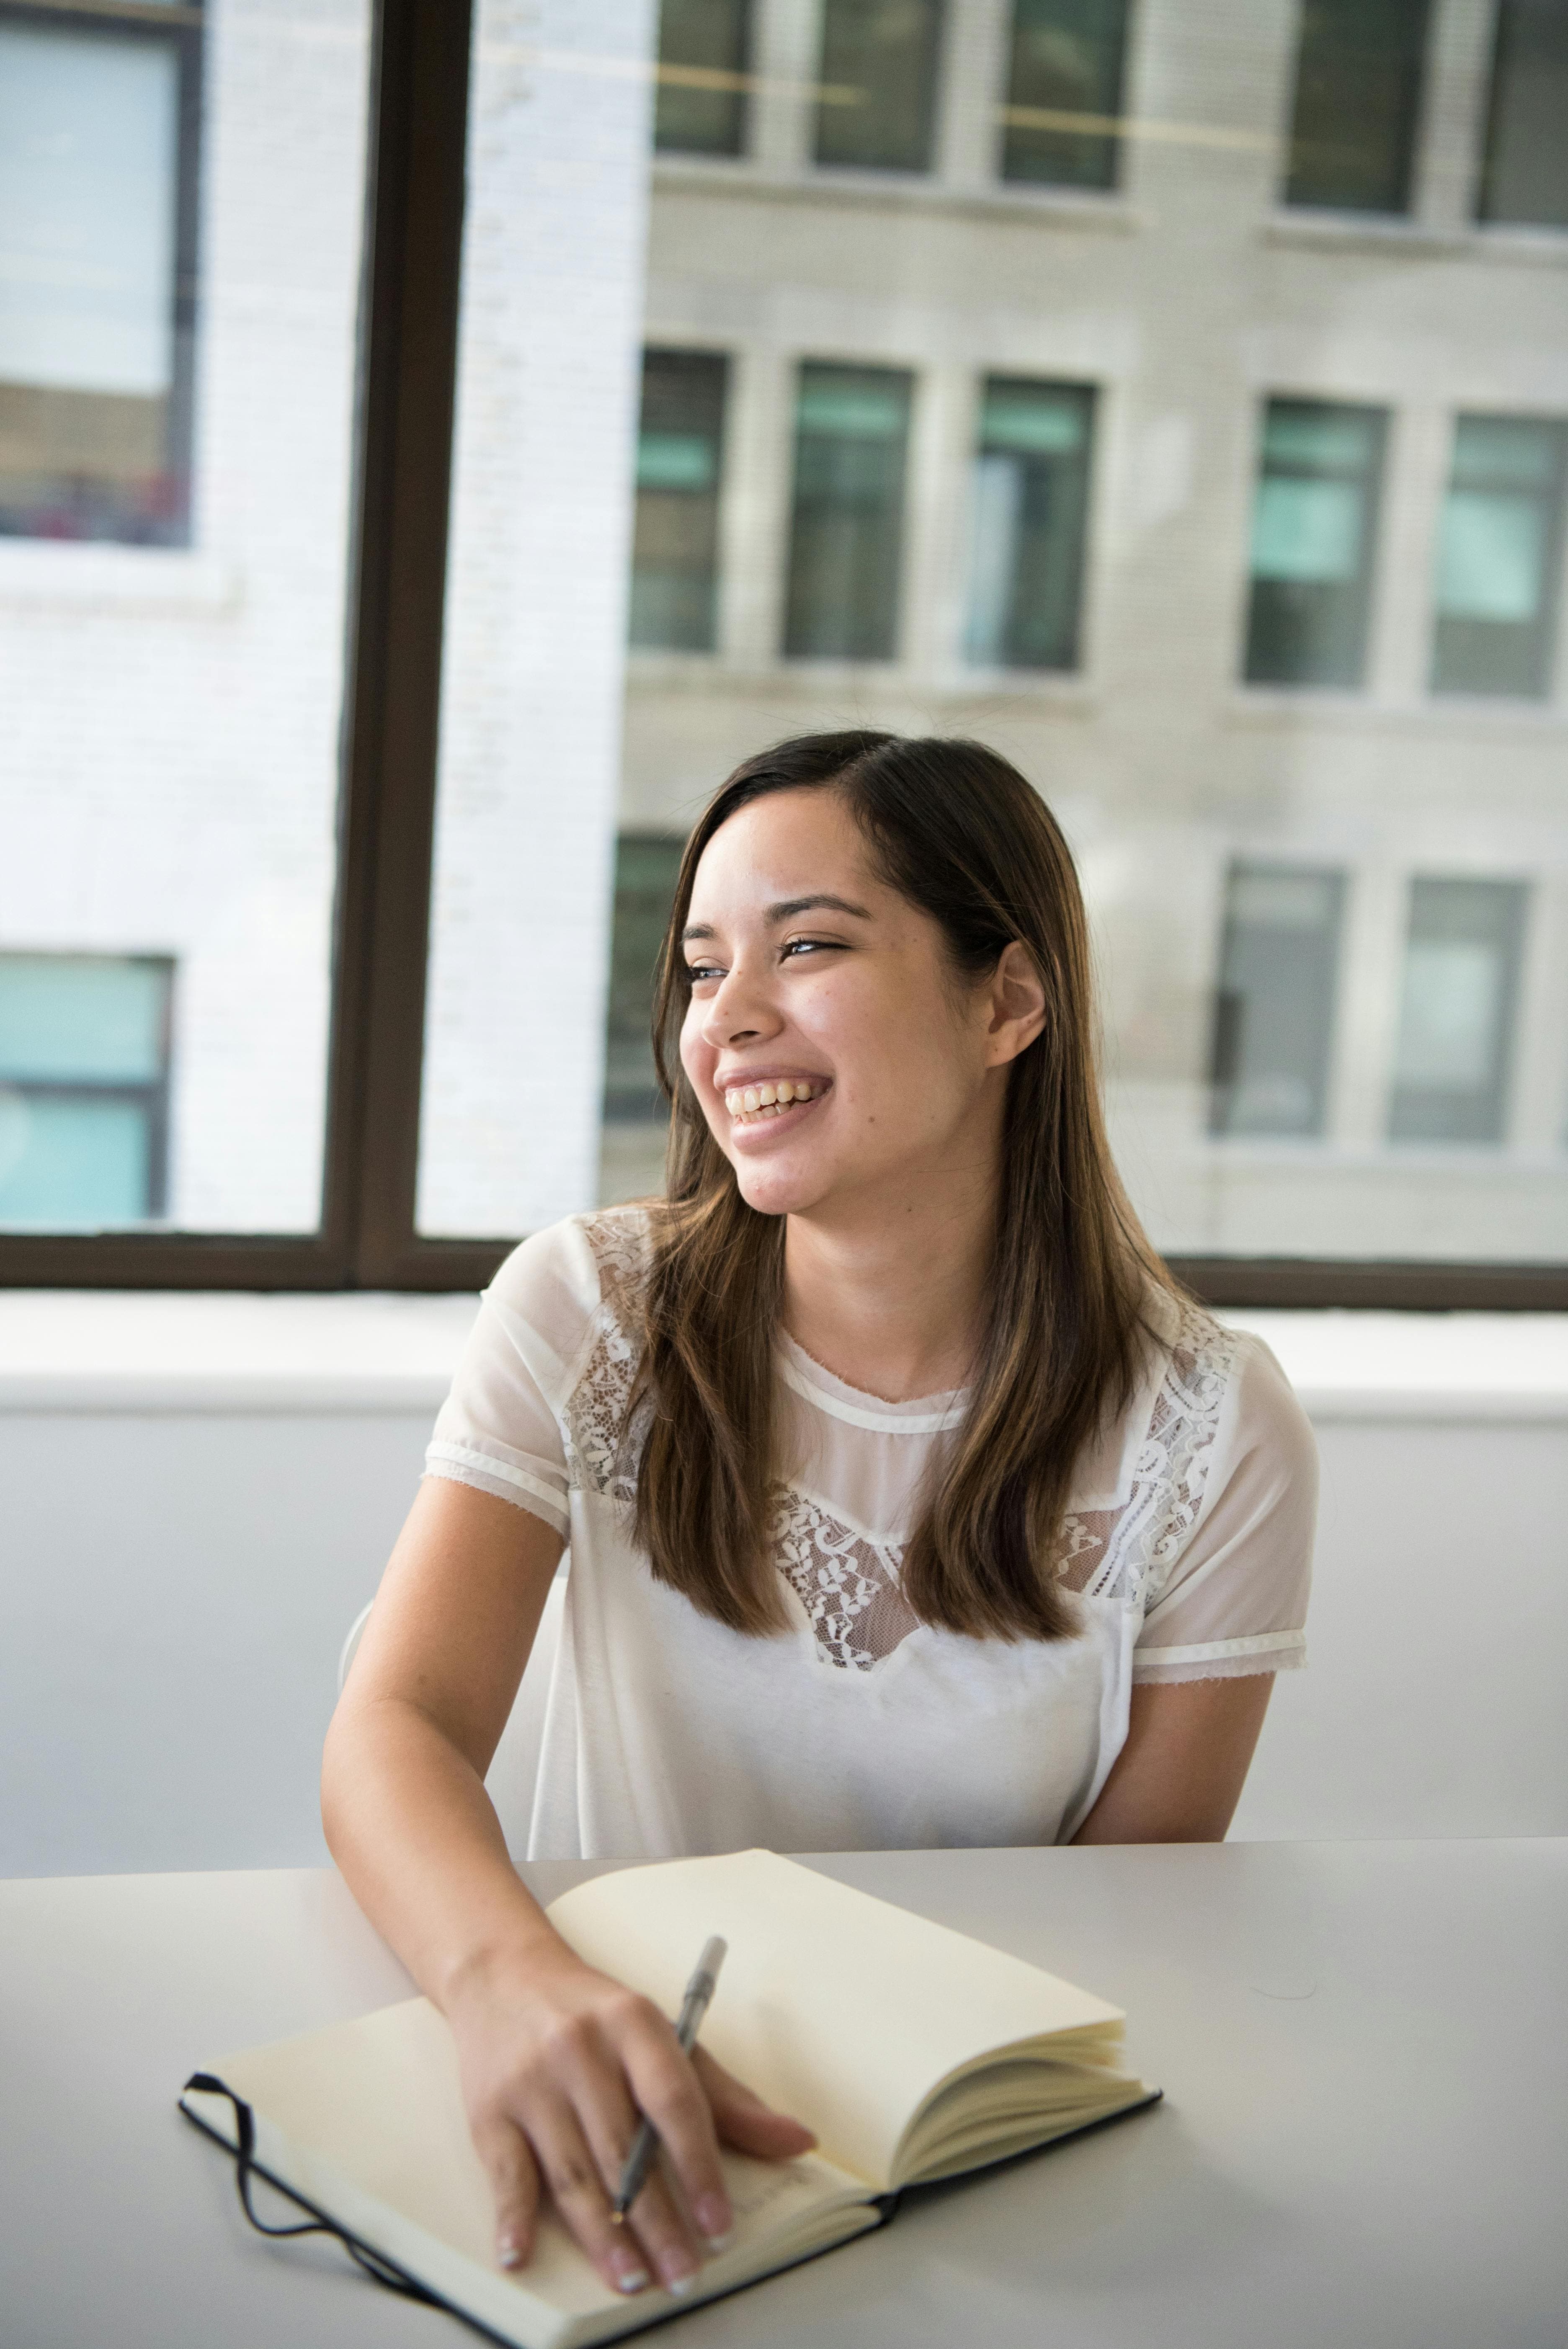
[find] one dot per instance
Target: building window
(1274, 1014)
(876, 103)
(83, 1090)
(647, 864)
(1456, 1016)
(1313, 526)
(1499, 555)
(1524, 176)
(1356, 102)
(99, 118)
(852, 429)
(675, 553)
(705, 50)
(1030, 504)
(1064, 93)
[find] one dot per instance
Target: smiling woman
(909, 1502)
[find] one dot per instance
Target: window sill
(1414, 240)
(83, 576)
(216, 1354)
(897, 190)
(1471, 714)
(674, 672)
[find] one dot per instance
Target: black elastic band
(376, 2265)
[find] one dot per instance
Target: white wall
(197, 1496)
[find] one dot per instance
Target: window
(1500, 553)
(100, 114)
(1313, 529)
(1457, 1011)
(83, 1090)
(1274, 1009)
(876, 104)
(700, 107)
(632, 1160)
(852, 429)
(1525, 177)
(1064, 92)
(675, 557)
(1031, 507)
(1356, 100)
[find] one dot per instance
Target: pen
(693, 2007)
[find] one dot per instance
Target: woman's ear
(1017, 1005)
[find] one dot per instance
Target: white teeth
(767, 1100)
(766, 1096)
(784, 1093)
(751, 1098)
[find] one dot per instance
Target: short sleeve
(500, 1428)
(1236, 1602)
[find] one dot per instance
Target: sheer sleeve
(500, 1428)
(1235, 1603)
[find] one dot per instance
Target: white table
(1365, 2140)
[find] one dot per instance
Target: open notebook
(913, 2052)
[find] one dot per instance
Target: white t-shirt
(1188, 1543)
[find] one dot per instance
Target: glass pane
(1064, 92)
(1499, 554)
(1524, 176)
(1356, 102)
(1031, 508)
(1457, 1011)
(703, 57)
(851, 428)
(182, 191)
(1115, 485)
(877, 99)
(1313, 517)
(675, 553)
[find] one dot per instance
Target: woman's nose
(740, 1012)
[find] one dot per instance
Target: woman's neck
(891, 1299)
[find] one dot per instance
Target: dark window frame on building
(1055, 135)
(408, 357)
(83, 507)
(147, 1094)
(1321, 160)
(1474, 653)
(1021, 634)
(1300, 1021)
(1327, 611)
(871, 600)
(1473, 915)
(674, 604)
(703, 93)
(839, 99)
(1523, 98)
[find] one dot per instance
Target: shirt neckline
(921, 1415)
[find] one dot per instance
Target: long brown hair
(958, 833)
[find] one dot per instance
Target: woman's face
(833, 1049)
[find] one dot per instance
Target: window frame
(406, 367)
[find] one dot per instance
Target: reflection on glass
(675, 553)
(700, 108)
(1312, 530)
(1499, 554)
(98, 134)
(1030, 501)
(851, 434)
(1063, 89)
(83, 1090)
(1455, 1015)
(1274, 1019)
(1356, 102)
(877, 101)
(172, 698)
(1524, 173)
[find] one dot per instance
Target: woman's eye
(699, 971)
(798, 946)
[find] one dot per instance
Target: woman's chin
(776, 1186)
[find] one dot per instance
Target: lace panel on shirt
(848, 1583)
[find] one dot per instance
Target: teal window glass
(99, 123)
(1029, 518)
(1274, 1009)
(1500, 552)
(1066, 68)
(83, 1090)
(675, 548)
(1524, 175)
(852, 428)
(1314, 524)
(1451, 1063)
(1355, 105)
(877, 99)
(647, 864)
(700, 107)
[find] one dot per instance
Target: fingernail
(511, 2251)
(631, 2279)
(712, 2214)
(679, 2275)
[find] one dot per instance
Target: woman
(909, 1504)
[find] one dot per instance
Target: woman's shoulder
(1222, 1385)
(577, 1268)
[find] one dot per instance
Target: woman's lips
(762, 1109)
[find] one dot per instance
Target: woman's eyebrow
(788, 908)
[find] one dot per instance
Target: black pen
(693, 2007)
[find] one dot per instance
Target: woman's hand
(559, 2063)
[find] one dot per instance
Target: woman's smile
(761, 1106)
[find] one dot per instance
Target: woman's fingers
(628, 2257)
(742, 2120)
(669, 2091)
(514, 2182)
